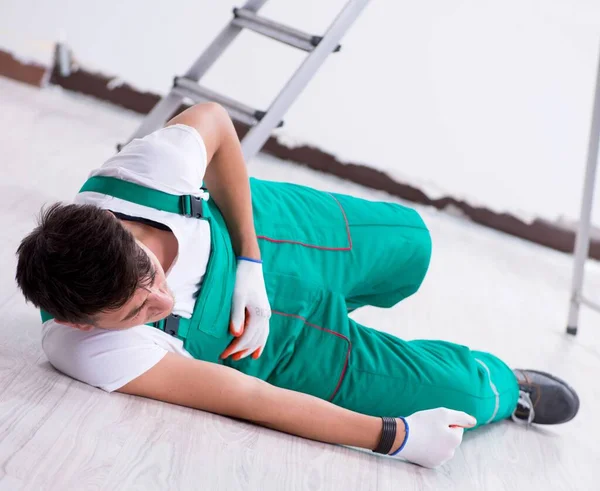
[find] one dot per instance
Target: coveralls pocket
(318, 348)
(292, 214)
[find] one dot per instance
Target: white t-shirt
(173, 160)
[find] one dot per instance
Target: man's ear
(81, 327)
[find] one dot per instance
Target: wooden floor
(484, 289)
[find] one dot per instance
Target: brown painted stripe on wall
(100, 86)
(30, 73)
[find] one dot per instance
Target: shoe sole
(563, 383)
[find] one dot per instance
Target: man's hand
(432, 436)
(250, 312)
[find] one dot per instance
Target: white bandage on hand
(249, 298)
(432, 440)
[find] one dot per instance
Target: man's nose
(161, 298)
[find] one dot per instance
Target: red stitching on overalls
(337, 387)
(348, 248)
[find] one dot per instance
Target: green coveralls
(324, 255)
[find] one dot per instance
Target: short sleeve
(101, 358)
(172, 159)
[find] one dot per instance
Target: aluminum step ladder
(262, 123)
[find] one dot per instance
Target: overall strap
(186, 205)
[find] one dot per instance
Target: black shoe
(544, 399)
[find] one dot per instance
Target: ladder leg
(259, 134)
(582, 240)
(167, 105)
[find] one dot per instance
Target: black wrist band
(388, 436)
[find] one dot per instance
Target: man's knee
(418, 241)
(422, 257)
(414, 254)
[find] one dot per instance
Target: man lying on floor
(236, 302)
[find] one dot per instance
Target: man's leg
(341, 252)
(398, 377)
(374, 253)
(326, 253)
(391, 251)
(372, 372)
(390, 257)
(317, 349)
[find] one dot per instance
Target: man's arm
(226, 176)
(227, 181)
(223, 390)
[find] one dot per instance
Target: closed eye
(135, 312)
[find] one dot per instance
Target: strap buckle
(192, 206)
(170, 325)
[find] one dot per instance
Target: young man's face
(148, 304)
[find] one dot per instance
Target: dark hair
(80, 261)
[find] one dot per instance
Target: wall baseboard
(27, 72)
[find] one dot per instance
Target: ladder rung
(285, 34)
(237, 110)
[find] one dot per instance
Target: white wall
(486, 100)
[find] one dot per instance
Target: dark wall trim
(30, 73)
(124, 95)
